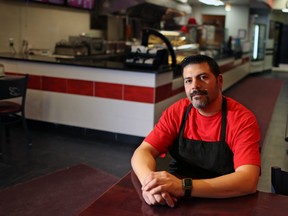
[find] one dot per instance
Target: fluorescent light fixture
(183, 1)
(228, 7)
(285, 10)
(212, 2)
(256, 41)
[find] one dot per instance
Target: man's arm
(143, 160)
(241, 182)
(144, 165)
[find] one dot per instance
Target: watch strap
(187, 187)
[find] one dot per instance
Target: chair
(12, 107)
(279, 180)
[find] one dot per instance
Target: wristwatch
(187, 187)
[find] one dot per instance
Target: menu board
(81, 4)
(84, 4)
(58, 2)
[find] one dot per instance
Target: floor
(274, 152)
(55, 149)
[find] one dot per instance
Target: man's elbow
(249, 179)
(251, 190)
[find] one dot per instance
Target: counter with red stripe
(127, 102)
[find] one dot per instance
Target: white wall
(237, 18)
(41, 25)
(279, 4)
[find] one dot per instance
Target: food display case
(181, 43)
(160, 49)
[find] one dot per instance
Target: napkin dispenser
(145, 57)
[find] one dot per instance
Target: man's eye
(203, 77)
(188, 81)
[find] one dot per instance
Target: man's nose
(195, 84)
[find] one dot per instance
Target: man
(213, 140)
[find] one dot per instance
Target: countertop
(112, 61)
(104, 61)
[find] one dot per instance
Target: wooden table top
(123, 199)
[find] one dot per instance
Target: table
(123, 199)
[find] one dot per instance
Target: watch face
(187, 183)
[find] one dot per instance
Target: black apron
(200, 159)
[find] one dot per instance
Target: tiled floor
(53, 150)
(274, 152)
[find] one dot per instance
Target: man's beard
(199, 103)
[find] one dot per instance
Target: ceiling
(250, 3)
(232, 2)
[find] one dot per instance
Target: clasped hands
(162, 188)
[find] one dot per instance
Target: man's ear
(220, 81)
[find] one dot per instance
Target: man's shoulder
(237, 107)
(234, 103)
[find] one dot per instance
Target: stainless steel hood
(145, 9)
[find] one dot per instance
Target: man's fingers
(168, 199)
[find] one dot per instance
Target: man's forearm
(241, 182)
(143, 164)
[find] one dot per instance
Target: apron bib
(200, 159)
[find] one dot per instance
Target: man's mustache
(198, 92)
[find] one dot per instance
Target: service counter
(102, 94)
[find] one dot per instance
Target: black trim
(84, 133)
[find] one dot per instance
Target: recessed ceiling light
(212, 2)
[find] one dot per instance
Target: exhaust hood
(145, 9)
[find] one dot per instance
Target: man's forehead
(188, 74)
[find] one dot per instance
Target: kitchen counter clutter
(103, 94)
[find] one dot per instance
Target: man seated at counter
(213, 140)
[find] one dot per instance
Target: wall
(41, 25)
(279, 4)
(237, 18)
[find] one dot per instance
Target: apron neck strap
(224, 119)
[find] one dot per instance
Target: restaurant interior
(101, 72)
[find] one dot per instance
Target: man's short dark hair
(198, 59)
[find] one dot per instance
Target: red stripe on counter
(230, 65)
(245, 59)
(80, 87)
(54, 84)
(163, 92)
(35, 82)
(101, 89)
(108, 90)
(111, 90)
(226, 67)
(139, 94)
(166, 91)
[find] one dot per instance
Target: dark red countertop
(124, 199)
